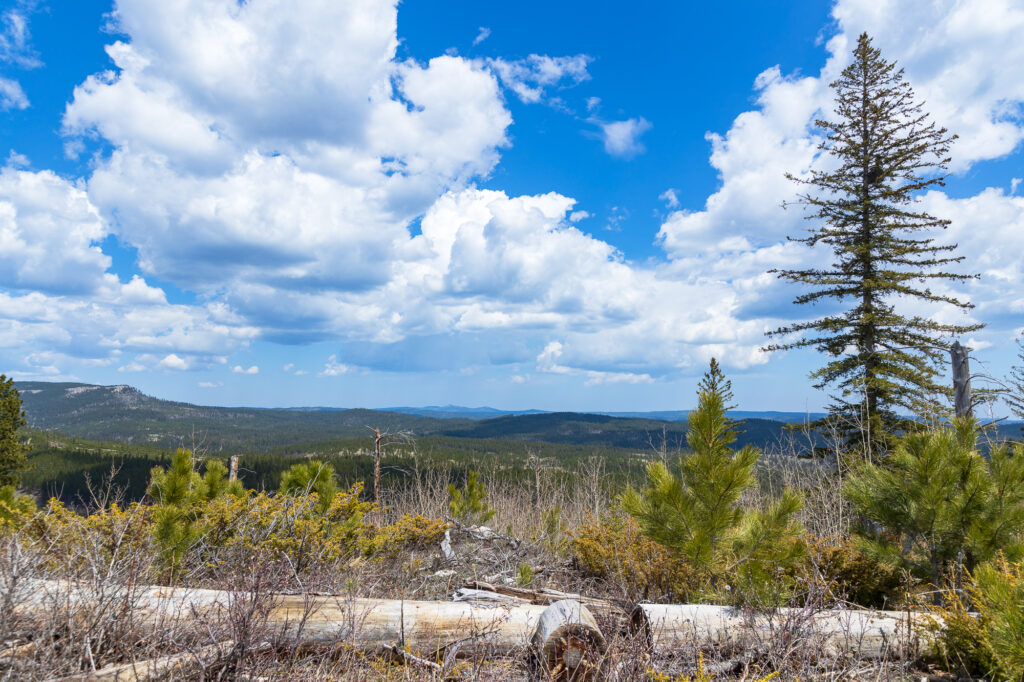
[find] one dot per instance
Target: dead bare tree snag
(961, 380)
(376, 466)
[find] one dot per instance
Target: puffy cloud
(48, 235)
(997, 254)
(266, 145)
(752, 159)
(173, 362)
(333, 368)
(622, 138)
(944, 46)
(11, 95)
(548, 359)
(263, 71)
(59, 306)
(253, 369)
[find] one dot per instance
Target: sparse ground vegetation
(778, 531)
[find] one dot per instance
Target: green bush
(12, 418)
(178, 493)
(963, 644)
(15, 509)
(936, 502)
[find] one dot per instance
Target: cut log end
(568, 644)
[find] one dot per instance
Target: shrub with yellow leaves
(615, 549)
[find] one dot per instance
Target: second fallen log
(670, 628)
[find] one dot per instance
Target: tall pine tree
(12, 418)
(885, 152)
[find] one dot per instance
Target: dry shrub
(851, 575)
(963, 646)
(615, 550)
(998, 590)
(234, 531)
(411, 531)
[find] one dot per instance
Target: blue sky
(558, 205)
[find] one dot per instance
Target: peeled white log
(863, 634)
(567, 643)
(422, 627)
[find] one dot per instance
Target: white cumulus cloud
(622, 138)
(333, 368)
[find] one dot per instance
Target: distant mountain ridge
(124, 414)
(447, 411)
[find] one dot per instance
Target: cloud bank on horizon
(310, 189)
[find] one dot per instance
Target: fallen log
(424, 627)
(667, 628)
(475, 628)
(568, 644)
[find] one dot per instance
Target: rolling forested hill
(125, 415)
